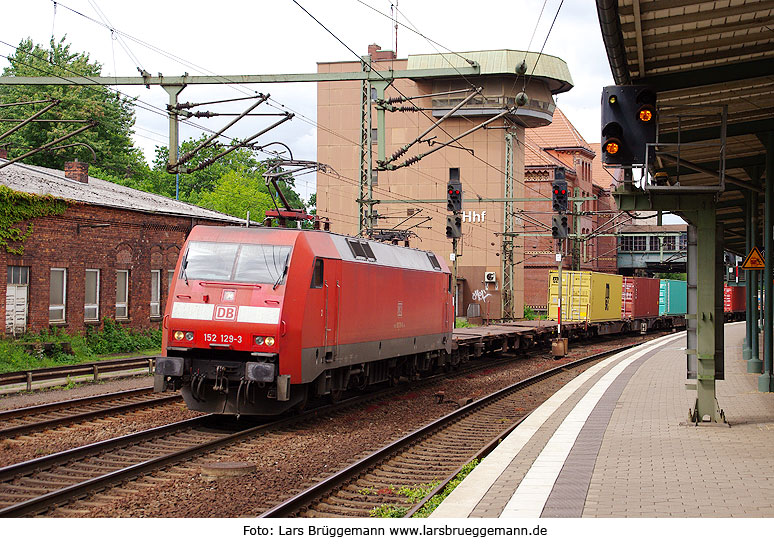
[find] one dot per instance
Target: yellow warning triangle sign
(754, 261)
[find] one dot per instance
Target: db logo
(225, 313)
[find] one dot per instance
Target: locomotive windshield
(231, 262)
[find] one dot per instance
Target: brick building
(109, 255)
(548, 148)
(489, 163)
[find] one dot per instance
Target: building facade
(109, 254)
(489, 162)
(592, 215)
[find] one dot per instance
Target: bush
(114, 338)
(53, 346)
(462, 322)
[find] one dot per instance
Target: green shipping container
(587, 296)
(672, 297)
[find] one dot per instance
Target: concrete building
(489, 161)
(109, 254)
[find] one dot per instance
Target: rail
(297, 503)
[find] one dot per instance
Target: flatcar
(260, 320)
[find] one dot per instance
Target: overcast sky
(259, 37)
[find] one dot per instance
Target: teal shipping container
(672, 297)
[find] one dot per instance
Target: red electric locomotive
(261, 319)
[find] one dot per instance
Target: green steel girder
(700, 210)
(382, 74)
(639, 200)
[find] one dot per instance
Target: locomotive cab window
(233, 262)
(317, 274)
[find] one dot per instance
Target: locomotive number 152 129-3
(222, 338)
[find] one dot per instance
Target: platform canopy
(709, 54)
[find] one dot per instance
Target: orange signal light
(646, 115)
(612, 147)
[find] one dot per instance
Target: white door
(15, 309)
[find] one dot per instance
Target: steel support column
(508, 311)
(766, 380)
(746, 350)
(754, 364)
(707, 316)
(366, 151)
(700, 210)
(174, 137)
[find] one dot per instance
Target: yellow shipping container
(586, 296)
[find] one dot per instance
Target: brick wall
(107, 239)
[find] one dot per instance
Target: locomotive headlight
(189, 335)
(179, 335)
(269, 341)
(258, 339)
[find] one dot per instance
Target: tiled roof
(600, 175)
(559, 134)
(46, 181)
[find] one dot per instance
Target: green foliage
(414, 494)
(530, 314)
(672, 276)
(389, 512)
(110, 139)
(235, 194)
(462, 322)
(196, 184)
(17, 207)
(436, 500)
(27, 352)
(114, 338)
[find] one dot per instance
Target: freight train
(261, 320)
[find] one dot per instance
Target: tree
(198, 183)
(110, 139)
(235, 194)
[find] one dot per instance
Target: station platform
(616, 442)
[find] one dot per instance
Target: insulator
(394, 100)
(407, 109)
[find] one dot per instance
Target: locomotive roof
(351, 249)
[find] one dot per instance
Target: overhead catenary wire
(341, 136)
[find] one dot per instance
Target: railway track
(39, 485)
(428, 457)
(32, 419)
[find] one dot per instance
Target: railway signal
(628, 123)
(559, 191)
(559, 226)
(453, 226)
(454, 197)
